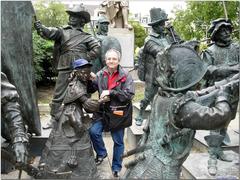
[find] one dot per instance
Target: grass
(45, 93)
(139, 92)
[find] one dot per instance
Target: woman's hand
(104, 93)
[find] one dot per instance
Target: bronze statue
(12, 123)
(71, 43)
(223, 60)
(117, 13)
(68, 152)
(157, 41)
(102, 26)
(106, 43)
(177, 111)
(17, 58)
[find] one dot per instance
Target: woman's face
(112, 60)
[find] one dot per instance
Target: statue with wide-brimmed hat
(71, 43)
(222, 57)
(178, 109)
(159, 38)
(217, 24)
(79, 10)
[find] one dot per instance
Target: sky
(143, 6)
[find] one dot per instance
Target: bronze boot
(139, 118)
(212, 165)
(213, 141)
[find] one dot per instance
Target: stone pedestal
(126, 39)
(195, 167)
(134, 132)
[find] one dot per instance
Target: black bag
(117, 117)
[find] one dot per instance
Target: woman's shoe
(99, 160)
(115, 174)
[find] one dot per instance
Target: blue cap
(80, 63)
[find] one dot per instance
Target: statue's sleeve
(152, 48)
(237, 46)
(207, 57)
(51, 33)
(11, 112)
(90, 105)
(190, 114)
(93, 46)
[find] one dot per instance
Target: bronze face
(223, 35)
(83, 74)
(75, 21)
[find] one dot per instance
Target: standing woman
(116, 90)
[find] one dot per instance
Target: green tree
(139, 34)
(37, 57)
(194, 21)
(42, 58)
(51, 14)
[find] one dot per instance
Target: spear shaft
(225, 9)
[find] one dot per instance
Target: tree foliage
(51, 14)
(139, 34)
(42, 57)
(194, 21)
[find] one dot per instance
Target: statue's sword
(35, 18)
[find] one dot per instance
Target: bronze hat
(157, 15)
(216, 24)
(80, 11)
(182, 67)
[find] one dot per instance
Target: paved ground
(104, 169)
